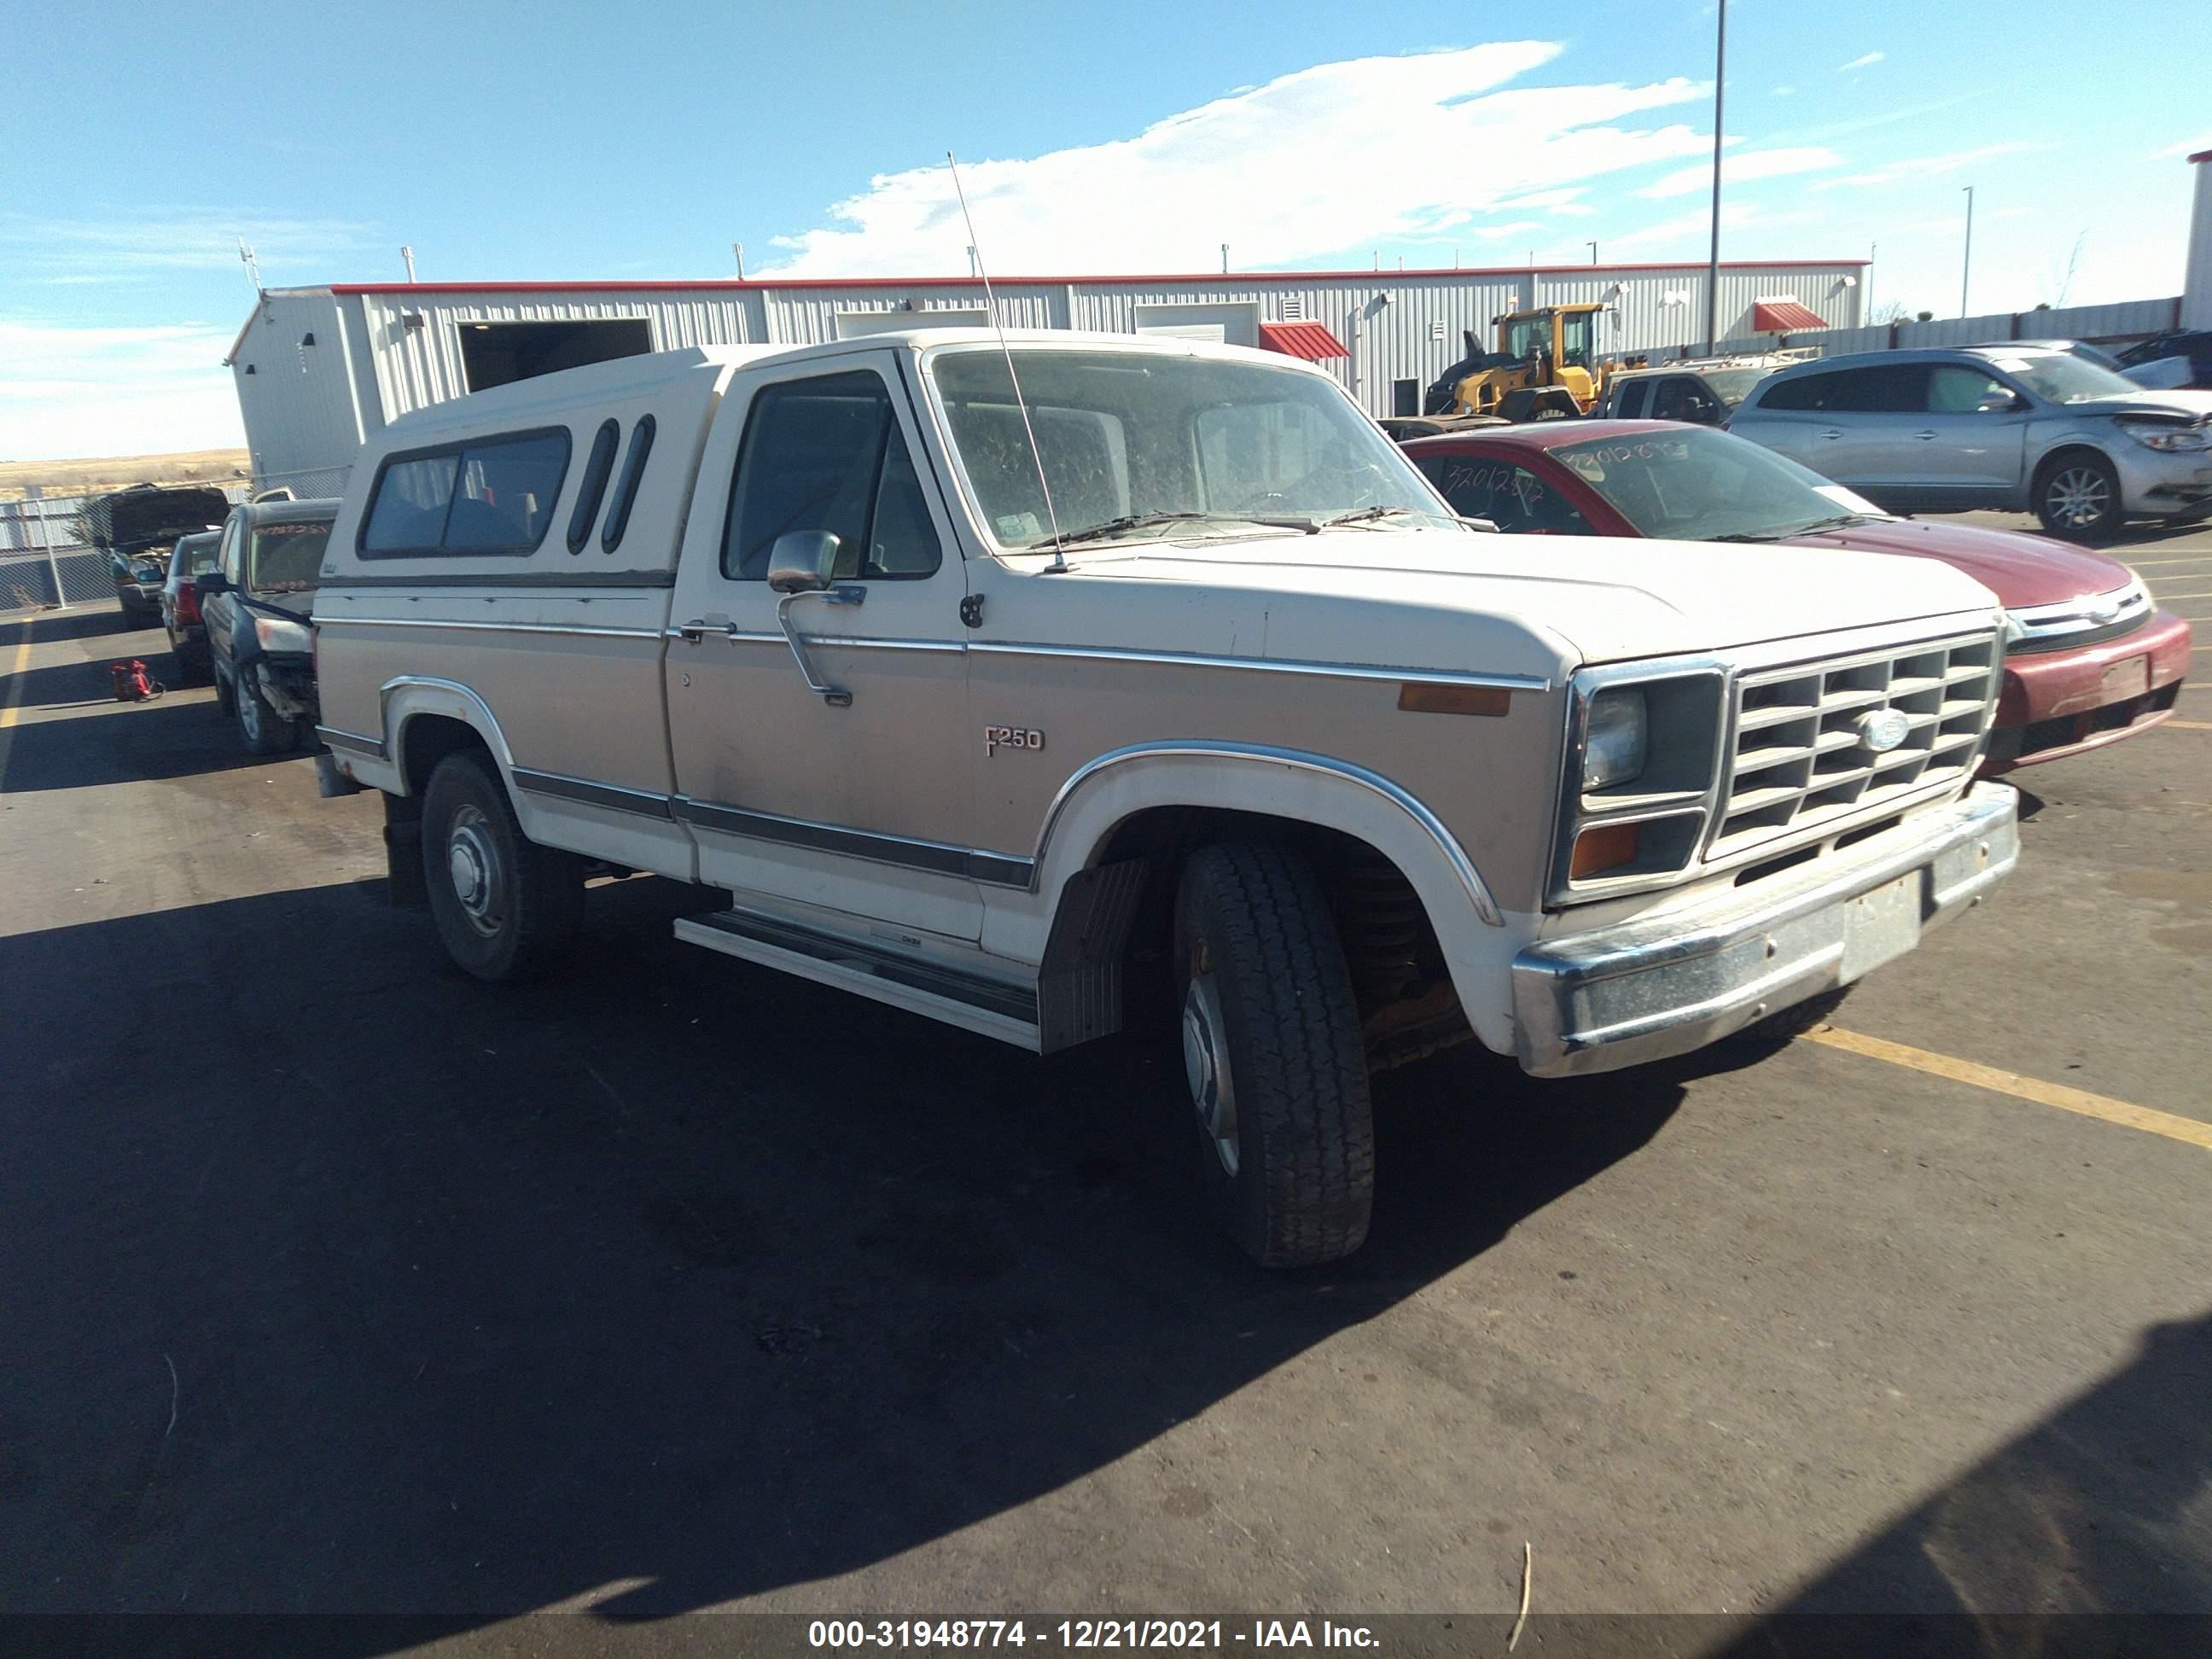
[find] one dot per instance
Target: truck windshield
(287, 557)
(1140, 445)
(1700, 485)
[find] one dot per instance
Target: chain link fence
(47, 561)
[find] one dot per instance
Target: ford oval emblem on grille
(1882, 730)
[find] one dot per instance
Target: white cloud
(1330, 144)
(1733, 216)
(1785, 92)
(139, 243)
(99, 391)
(2196, 146)
(1865, 60)
(1740, 167)
(1929, 167)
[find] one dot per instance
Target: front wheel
(1272, 1055)
(505, 908)
(266, 731)
(2079, 498)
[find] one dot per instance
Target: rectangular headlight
(1613, 746)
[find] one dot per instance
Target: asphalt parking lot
(334, 1281)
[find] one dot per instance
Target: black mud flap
(329, 782)
(405, 885)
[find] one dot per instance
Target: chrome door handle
(1924, 437)
(1831, 433)
(699, 628)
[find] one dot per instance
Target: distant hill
(91, 477)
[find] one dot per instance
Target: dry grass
(91, 477)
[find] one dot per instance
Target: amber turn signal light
(1601, 847)
(1415, 698)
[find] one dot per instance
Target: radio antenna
(990, 304)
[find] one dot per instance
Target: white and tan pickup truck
(1160, 692)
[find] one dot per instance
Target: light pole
(1593, 248)
(1967, 260)
(1713, 263)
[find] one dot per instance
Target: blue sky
(563, 140)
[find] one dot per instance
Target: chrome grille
(1798, 760)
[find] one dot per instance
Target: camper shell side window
(475, 496)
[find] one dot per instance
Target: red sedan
(2088, 658)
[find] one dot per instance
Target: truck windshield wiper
(1144, 520)
(1836, 522)
(1366, 514)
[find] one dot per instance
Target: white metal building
(318, 370)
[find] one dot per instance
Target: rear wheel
(2079, 498)
(1272, 1056)
(505, 908)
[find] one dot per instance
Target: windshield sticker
(1019, 527)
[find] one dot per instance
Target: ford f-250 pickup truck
(1162, 682)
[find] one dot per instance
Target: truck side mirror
(211, 582)
(803, 562)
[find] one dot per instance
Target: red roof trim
(1312, 341)
(1214, 278)
(1779, 316)
(2201, 156)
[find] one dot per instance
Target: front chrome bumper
(1666, 984)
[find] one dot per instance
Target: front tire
(505, 908)
(264, 730)
(2079, 498)
(1272, 1056)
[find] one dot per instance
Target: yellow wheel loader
(1545, 367)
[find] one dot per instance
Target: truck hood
(2021, 569)
(1607, 598)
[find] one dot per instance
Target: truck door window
(229, 557)
(1631, 400)
(826, 453)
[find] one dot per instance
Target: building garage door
(1222, 324)
(857, 325)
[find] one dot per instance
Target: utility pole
(971, 259)
(1224, 258)
(408, 254)
(1713, 262)
(35, 499)
(1593, 248)
(1967, 260)
(738, 248)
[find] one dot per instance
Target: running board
(995, 1009)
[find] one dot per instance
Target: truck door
(855, 796)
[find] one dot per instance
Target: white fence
(2110, 325)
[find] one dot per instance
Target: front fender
(1111, 789)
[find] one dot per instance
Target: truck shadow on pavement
(672, 1273)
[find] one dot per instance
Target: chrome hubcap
(1206, 1067)
(249, 715)
(472, 859)
(2078, 496)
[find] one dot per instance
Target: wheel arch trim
(1052, 864)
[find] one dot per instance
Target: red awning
(1312, 341)
(1780, 316)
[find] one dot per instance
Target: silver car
(2012, 427)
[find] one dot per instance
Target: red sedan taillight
(188, 602)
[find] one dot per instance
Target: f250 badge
(996, 737)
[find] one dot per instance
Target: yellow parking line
(10, 710)
(2170, 1124)
(2194, 558)
(2170, 599)
(2191, 726)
